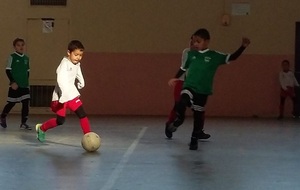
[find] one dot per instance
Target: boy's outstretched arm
(178, 74)
(238, 52)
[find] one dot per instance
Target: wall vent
(49, 2)
(41, 95)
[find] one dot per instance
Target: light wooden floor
(242, 154)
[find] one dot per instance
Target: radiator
(41, 95)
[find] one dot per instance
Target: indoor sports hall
(131, 50)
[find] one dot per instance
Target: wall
(246, 87)
(133, 48)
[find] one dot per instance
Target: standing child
(202, 65)
(17, 71)
(178, 85)
(287, 82)
(66, 95)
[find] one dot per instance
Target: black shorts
(18, 95)
(197, 101)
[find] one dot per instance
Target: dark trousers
(24, 112)
(282, 103)
(197, 103)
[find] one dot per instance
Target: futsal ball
(91, 142)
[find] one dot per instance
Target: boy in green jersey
(17, 71)
(201, 66)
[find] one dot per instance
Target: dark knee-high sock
(180, 107)
(199, 117)
(25, 111)
(172, 115)
(281, 106)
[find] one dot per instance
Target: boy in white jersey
(66, 94)
(179, 83)
(202, 65)
(287, 83)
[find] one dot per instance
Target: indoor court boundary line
(117, 171)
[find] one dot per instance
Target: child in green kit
(202, 65)
(17, 71)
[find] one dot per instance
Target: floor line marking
(117, 171)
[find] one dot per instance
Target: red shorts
(177, 90)
(60, 108)
(290, 92)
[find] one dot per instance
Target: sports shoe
(3, 122)
(194, 143)
(168, 133)
(40, 135)
(172, 127)
(203, 135)
(25, 126)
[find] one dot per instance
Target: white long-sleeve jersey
(65, 89)
(287, 79)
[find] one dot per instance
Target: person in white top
(66, 94)
(178, 85)
(288, 82)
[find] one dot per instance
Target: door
(46, 45)
(297, 67)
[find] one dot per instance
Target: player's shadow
(63, 144)
(32, 141)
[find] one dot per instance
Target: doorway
(46, 44)
(46, 48)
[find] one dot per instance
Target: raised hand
(245, 41)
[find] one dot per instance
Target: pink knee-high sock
(51, 123)
(85, 125)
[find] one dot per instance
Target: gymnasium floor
(243, 154)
